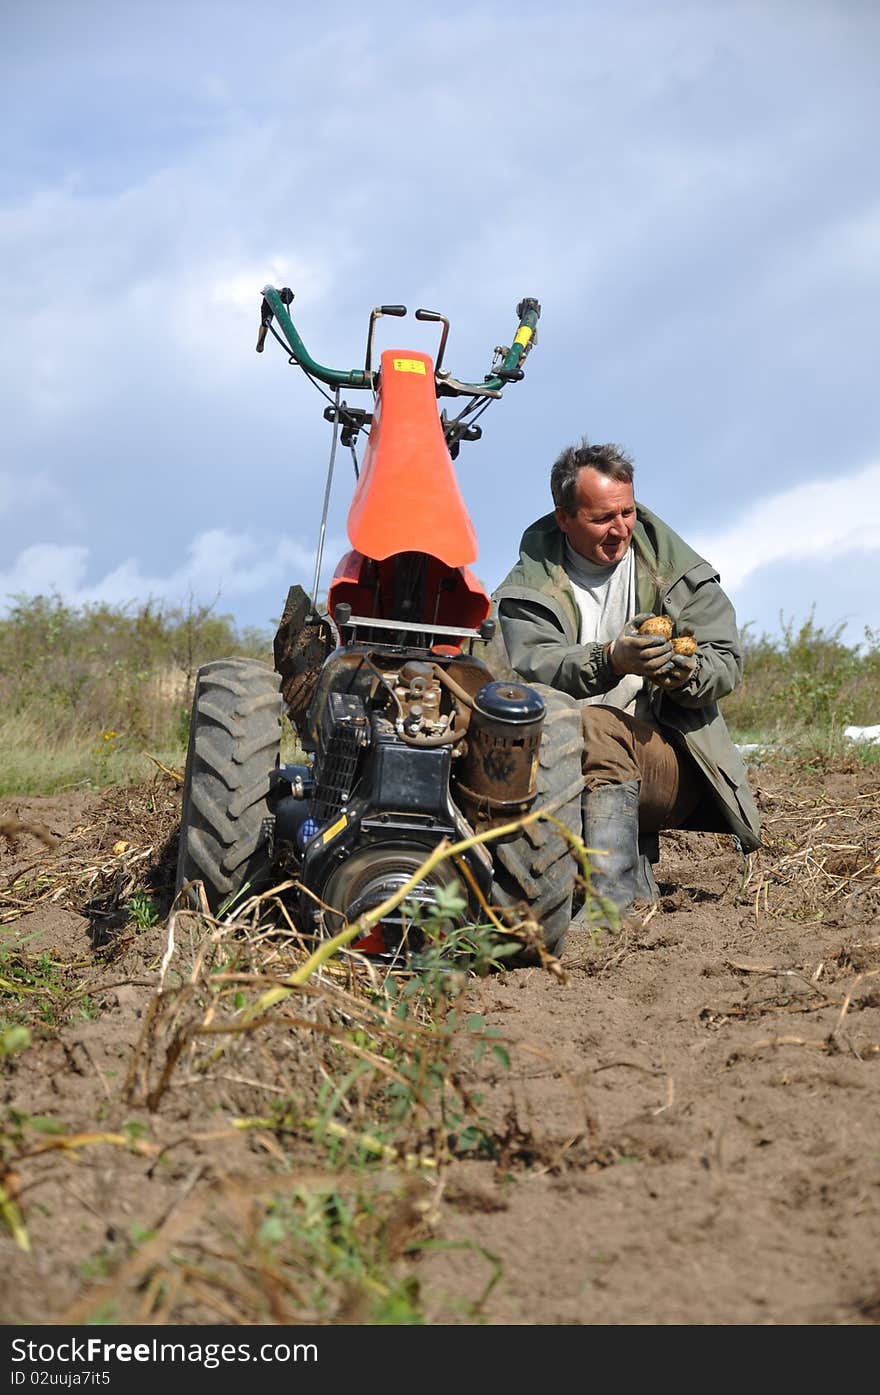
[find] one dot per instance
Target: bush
(90, 687)
(84, 691)
(805, 683)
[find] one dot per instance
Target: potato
(657, 625)
(682, 644)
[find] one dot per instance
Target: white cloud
(220, 565)
(828, 519)
(44, 568)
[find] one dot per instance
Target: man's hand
(648, 656)
(683, 670)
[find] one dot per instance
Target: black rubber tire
(234, 746)
(538, 867)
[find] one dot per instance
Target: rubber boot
(649, 853)
(621, 873)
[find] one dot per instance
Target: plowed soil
(687, 1131)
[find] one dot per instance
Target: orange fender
(407, 498)
(368, 586)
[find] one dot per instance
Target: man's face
(601, 527)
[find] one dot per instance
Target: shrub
(806, 682)
(92, 686)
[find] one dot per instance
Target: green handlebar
(529, 312)
(355, 377)
(510, 369)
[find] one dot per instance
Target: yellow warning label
(523, 335)
(409, 365)
(333, 830)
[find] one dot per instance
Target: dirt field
(687, 1131)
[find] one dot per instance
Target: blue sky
(690, 189)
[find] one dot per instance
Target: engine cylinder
(497, 779)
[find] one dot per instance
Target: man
(657, 753)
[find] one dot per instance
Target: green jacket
(540, 623)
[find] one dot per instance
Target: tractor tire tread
(538, 867)
(235, 739)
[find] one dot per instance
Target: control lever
(440, 319)
(286, 297)
(265, 321)
(380, 310)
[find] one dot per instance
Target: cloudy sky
(689, 188)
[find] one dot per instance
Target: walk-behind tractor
(411, 735)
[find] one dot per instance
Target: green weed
(426, 1096)
(802, 688)
(40, 992)
(84, 691)
(340, 1249)
(13, 1039)
(141, 910)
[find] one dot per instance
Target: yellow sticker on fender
(522, 335)
(409, 365)
(333, 830)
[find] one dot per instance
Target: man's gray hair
(608, 460)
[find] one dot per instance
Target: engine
(407, 748)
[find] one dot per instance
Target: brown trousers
(619, 748)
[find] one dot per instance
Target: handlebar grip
(510, 369)
(529, 303)
(392, 310)
(529, 311)
(435, 317)
(265, 321)
(276, 303)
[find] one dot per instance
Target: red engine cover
(407, 500)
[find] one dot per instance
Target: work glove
(648, 656)
(684, 662)
(683, 667)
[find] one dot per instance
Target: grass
(96, 696)
(804, 687)
(39, 757)
(35, 991)
(142, 911)
(89, 695)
